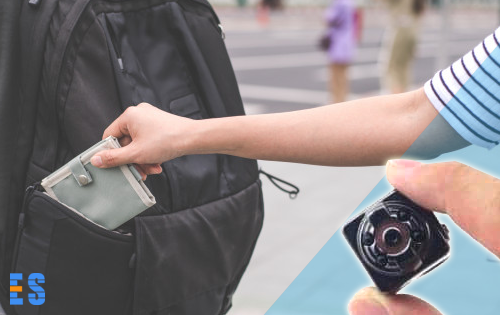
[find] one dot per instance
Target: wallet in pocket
(108, 197)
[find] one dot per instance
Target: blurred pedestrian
(263, 9)
(342, 39)
(400, 43)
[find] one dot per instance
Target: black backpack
(83, 62)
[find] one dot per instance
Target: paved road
(279, 69)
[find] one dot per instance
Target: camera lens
(392, 237)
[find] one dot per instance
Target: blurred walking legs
(397, 76)
(400, 43)
(264, 8)
(339, 83)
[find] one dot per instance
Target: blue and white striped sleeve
(467, 94)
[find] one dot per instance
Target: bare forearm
(361, 132)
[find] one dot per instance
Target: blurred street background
(279, 67)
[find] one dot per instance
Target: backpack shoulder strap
(23, 51)
(9, 115)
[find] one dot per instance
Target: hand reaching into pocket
(471, 198)
(148, 136)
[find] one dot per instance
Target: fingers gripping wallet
(108, 197)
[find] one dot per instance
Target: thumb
(370, 301)
(113, 157)
(470, 197)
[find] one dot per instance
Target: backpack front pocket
(86, 267)
(190, 262)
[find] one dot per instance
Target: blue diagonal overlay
(468, 283)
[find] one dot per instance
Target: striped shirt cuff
(467, 94)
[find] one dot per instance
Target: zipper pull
(20, 221)
(114, 42)
(34, 3)
(222, 34)
(120, 63)
(29, 191)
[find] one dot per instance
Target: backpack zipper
(20, 222)
(114, 42)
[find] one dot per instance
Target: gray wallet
(108, 197)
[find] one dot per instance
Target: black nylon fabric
(20, 114)
(86, 62)
(9, 94)
(85, 266)
(207, 250)
(9, 124)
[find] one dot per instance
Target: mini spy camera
(397, 241)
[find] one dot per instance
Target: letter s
(39, 291)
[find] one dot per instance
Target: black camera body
(397, 241)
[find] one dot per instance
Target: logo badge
(34, 281)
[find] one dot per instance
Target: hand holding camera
(470, 198)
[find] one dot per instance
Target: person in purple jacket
(340, 18)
